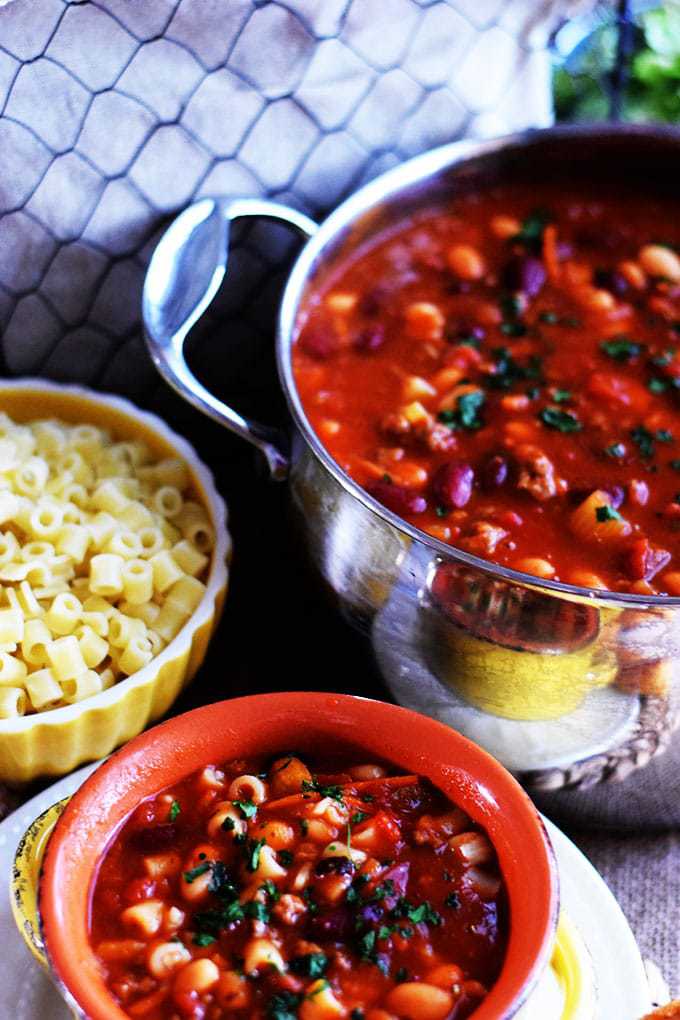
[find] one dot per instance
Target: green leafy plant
(653, 87)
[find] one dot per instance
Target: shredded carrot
(348, 789)
(144, 1006)
(550, 258)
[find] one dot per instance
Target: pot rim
(418, 170)
(465, 773)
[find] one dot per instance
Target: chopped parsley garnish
(507, 371)
(194, 873)
(607, 513)
(367, 798)
(401, 975)
(657, 385)
(644, 440)
(465, 415)
(358, 817)
(510, 306)
(616, 450)
(202, 938)
(563, 421)
(513, 328)
(530, 233)
(285, 857)
(357, 1014)
(314, 786)
(621, 348)
(256, 910)
(675, 464)
(662, 360)
(453, 901)
(304, 826)
(228, 824)
(175, 810)
(270, 890)
(253, 850)
(442, 511)
(312, 905)
(511, 309)
(312, 965)
(468, 341)
(219, 879)
(385, 888)
(422, 914)
(246, 807)
(366, 945)
(559, 396)
(550, 318)
(284, 1006)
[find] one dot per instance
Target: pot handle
(184, 275)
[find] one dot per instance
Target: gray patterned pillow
(116, 113)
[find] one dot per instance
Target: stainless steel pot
(566, 686)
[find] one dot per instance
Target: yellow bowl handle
(572, 963)
(26, 876)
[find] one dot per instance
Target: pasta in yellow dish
(102, 550)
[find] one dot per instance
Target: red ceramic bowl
(309, 722)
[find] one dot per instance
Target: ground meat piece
(537, 474)
(290, 909)
(395, 424)
(483, 538)
(437, 437)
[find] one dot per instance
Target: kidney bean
(398, 876)
(374, 299)
(452, 484)
(334, 924)
(160, 837)
(397, 498)
(370, 339)
(463, 331)
(319, 342)
(525, 273)
(370, 913)
(495, 472)
(334, 866)
(611, 280)
(617, 495)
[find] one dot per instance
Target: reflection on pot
(514, 651)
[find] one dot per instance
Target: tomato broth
(503, 373)
(285, 891)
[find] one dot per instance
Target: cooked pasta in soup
(286, 890)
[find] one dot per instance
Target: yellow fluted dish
(55, 742)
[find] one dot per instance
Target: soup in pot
(504, 374)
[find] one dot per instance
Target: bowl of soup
(299, 851)
(479, 352)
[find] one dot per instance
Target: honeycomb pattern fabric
(116, 113)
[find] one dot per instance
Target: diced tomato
(643, 561)
(620, 390)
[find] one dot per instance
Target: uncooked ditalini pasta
(103, 554)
